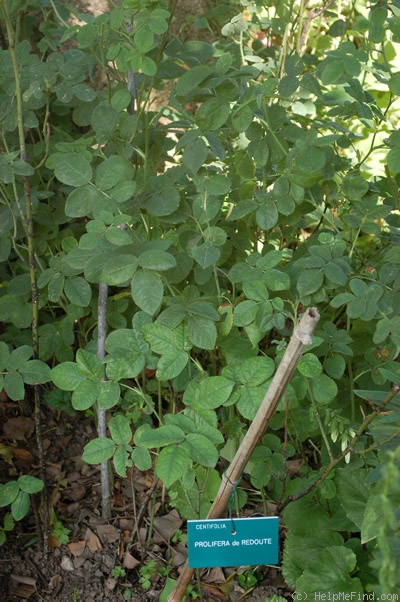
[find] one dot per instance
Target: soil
(96, 560)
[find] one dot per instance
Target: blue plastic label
(233, 542)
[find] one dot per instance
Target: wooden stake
(301, 337)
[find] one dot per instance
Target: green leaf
(242, 118)
(324, 389)
(329, 571)
(104, 120)
(331, 70)
(81, 201)
(212, 114)
(127, 354)
(8, 493)
(309, 366)
(67, 376)
(121, 99)
(171, 364)
(191, 79)
(121, 460)
(164, 202)
(288, 85)
(14, 385)
(147, 290)
(119, 269)
(371, 526)
(98, 450)
(141, 458)
(201, 450)
(30, 484)
(310, 281)
(371, 395)
(214, 391)
(195, 155)
(4, 355)
(353, 493)
(144, 38)
(13, 310)
(89, 364)
(9, 523)
(5, 249)
(161, 338)
(111, 171)
(22, 168)
(35, 371)
(377, 31)
(19, 357)
(109, 394)
(149, 67)
(310, 159)
(335, 366)
(245, 312)
(85, 394)
(393, 156)
(182, 421)
(172, 464)
(202, 332)
(354, 187)
(206, 254)
(78, 291)
(255, 371)
(157, 260)
(72, 169)
(250, 400)
(56, 286)
(335, 273)
(267, 215)
(84, 92)
(123, 191)
(277, 280)
(161, 436)
(20, 506)
(120, 429)
(117, 236)
(255, 290)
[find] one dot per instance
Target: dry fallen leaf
(108, 533)
(24, 455)
(67, 564)
(130, 562)
(93, 542)
(55, 581)
(75, 493)
(77, 547)
(25, 579)
(19, 428)
(168, 524)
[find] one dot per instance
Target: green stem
(319, 422)
(349, 448)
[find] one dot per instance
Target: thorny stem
(101, 412)
(28, 224)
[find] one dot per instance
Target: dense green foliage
(265, 181)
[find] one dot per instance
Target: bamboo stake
(301, 337)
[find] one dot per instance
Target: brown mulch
(96, 561)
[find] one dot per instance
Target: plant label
(233, 542)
